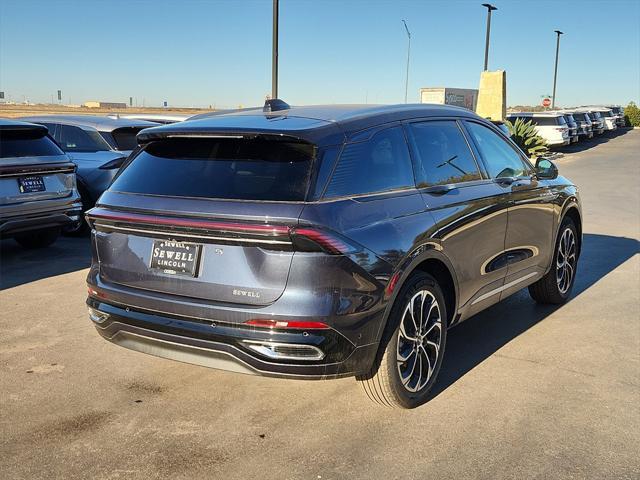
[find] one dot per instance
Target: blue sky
(201, 53)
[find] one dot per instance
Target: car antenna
(274, 105)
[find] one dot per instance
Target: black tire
(38, 238)
(553, 288)
(383, 383)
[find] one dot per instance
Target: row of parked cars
(53, 168)
(563, 127)
(43, 152)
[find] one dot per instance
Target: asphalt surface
(525, 392)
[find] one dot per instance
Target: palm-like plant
(525, 136)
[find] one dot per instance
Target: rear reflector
(300, 325)
(95, 293)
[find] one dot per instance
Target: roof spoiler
(274, 105)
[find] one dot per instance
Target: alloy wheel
(419, 341)
(566, 261)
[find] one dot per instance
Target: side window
(74, 139)
(501, 159)
(444, 155)
(378, 164)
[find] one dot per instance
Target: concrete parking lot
(526, 391)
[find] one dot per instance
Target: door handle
(504, 181)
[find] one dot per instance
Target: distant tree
(632, 115)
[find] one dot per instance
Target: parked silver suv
(38, 192)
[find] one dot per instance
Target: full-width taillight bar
(305, 238)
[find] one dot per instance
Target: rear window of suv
(546, 121)
(123, 138)
(29, 143)
(229, 168)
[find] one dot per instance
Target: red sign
(546, 102)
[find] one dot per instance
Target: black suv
(327, 241)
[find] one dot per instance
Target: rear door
(205, 218)
(529, 240)
(470, 210)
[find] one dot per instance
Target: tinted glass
(570, 119)
(125, 138)
(325, 161)
(500, 157)
(26, 144)
(378, 164)
(606, 114)
(444, 155)
(258, 169)
(74, 139)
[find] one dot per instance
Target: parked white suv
(609, 119)
(551, 126)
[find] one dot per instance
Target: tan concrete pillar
(492, 95)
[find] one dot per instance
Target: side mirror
(545, 169)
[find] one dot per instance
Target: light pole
(555, 72)
(406, 82)
(490, 8)
(274, 52)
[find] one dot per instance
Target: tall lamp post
(555, 72)
(490, 8)
(406, 82)
(274, 52)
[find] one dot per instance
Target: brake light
(102, 214)
(295, 324)
(304, 238)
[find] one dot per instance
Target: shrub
(632, 115)
(525, 136)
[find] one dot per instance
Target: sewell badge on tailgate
(175, 258)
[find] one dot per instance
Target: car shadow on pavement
(481, 336)
(583, 145)
(19, 266)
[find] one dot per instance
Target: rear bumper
(558, 142)
(226, 346)
(37, 220)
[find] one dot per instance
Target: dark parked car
(573, 126)
(597, 122)
(585, 128)
(38, 192)
(97, 145)
(328, 241)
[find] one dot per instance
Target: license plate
(175, 258)
(33, 183)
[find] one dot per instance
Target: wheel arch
(436, 264)
(574, 214)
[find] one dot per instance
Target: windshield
(241, 169)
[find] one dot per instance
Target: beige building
(105, 104)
